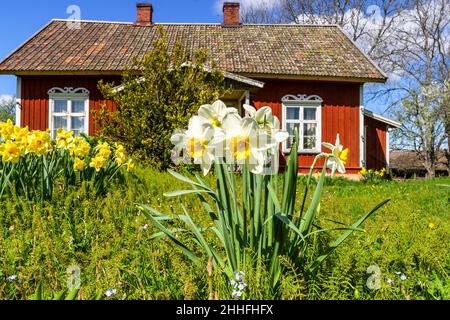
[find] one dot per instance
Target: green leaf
(343, 237)
(148, 213)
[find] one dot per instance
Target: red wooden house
(311, 76)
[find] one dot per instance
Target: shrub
(158, 95)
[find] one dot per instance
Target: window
(69, 110)
(303, 113)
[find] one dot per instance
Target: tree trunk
(431, 170)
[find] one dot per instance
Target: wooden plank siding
(340, 113)
(376, 142)
(35, 101)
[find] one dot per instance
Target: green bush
(148, 112)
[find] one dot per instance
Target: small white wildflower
(236, 294)
(390, 281)
(234, 283)
(403, 277)
(398, 272)
(239, 276)
(110, 292)
(12, 278)
(145, 227)
(241, 286)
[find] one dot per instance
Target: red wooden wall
(35, 101)
(340, 113)
(376, 142)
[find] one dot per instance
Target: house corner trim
(19, 101)
(362, 142)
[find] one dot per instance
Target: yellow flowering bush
(31, 162)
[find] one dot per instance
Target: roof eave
(391, 123)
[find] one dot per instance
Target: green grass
(105, 238)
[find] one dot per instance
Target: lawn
(404, 253)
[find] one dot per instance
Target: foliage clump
(158, 95)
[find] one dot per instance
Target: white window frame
(302, 102)
(68, 94)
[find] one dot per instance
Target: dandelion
(110, 292)
(432, 226)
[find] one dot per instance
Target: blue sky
(20, 19)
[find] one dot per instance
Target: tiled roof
(287, 50)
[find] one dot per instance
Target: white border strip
(362, 142)
(392, 123)
(19, 101)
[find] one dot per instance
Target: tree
(158, 95)
(7, 108)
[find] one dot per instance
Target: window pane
(60, 106)
(77, 106)
(293, 113)
(290, 129)
(309, 129)
(309, 143)
(309, 135)
(77, 124)
(58, 122)
(309, 114)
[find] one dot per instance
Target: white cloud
(248, 3)
(5, 97)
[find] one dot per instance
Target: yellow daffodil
(120, 154)
(6, 130)
(79, 164)
(130, 165)
(363, 171)
(10, 152)
(64, 139)
(39, 143)
(97, 163)
(80, 147)
(104, 150)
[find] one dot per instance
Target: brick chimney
(144, 14)
(231, 14)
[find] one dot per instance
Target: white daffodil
(195, 142)
(216, 113)
(266, 120)
(244, 143)
(339, 156)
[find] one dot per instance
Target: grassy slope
(105, 239)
